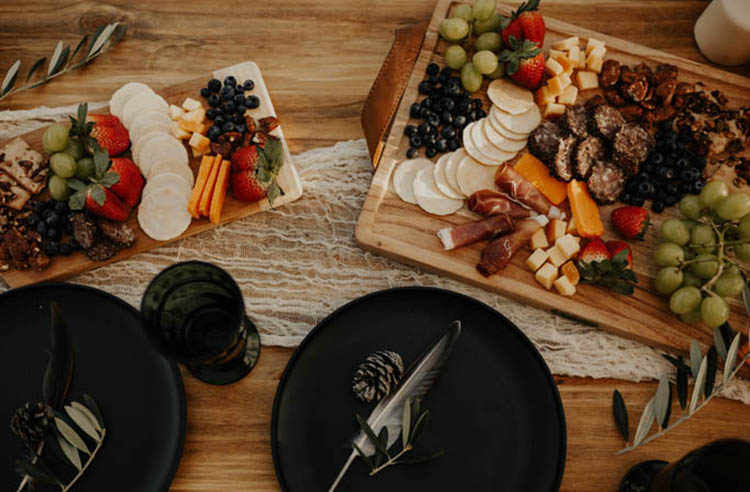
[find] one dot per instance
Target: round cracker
(140, 102)
(403, 177)
(520, 123)
(161, 182)
(510, 97)
(442, 182)
(159, 149)
(122, 95)
(430, 198)
(451, 168)
(499, 140)
(473, 149)
(486, 147)
(473, 176)
(147, 122)
(172, 166)
(162, 220)
(137, 146)
(504, 131)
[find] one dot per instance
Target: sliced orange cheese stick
(208, 190)
(220, 192)
(585, 210)
(200, 185)
(537, 173)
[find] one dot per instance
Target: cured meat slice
(633, 143)
(512, 183)
(590, 150)
(497, 254)
(606, 182)
(488, 202)
(473, 232)
(562, 167)
(543, 141)
(606, 121)
(576, 121)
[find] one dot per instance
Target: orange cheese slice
(537, 174)
(200, 185)
(208, 191)
(585, 210)
(220, 192)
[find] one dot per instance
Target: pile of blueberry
(227, 105)
(51, 219)
(671, 171)
(446, 110)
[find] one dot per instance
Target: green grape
(454, 29)
(74, 149)
(499, 72)
(705, 266)
(488, 41)
(690, 279)
(471, 79)
(668, 254)
(743, 229)
(675, 231)
(488, 25)
(85, 168)
(742, 252)
(463, 11)
(713, 193)
(55, 138)
(485, 61)
(668, 280)
(455, 56)
(714, 311)
(691, 207)
(703, 239)
(58, 187)
(729, 284)
(731, 270)
(684, 300)
(63, 165)
(734, 207)
(483, 9)
(690, 223)
(692, 317)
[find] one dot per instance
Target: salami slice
(576, 121)
(590, 150)
(607, 121)
(606, 182)
(543, 141)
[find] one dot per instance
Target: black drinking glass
(716, 467)
(195, 311)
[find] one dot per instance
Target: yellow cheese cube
(199, 142)
(595, 60)
(586, 80)
(568, 246)
(558, 83)
(556, 53)
(543, 96)
(536, 259)
(582, 61)
(546, 275)
(178, 132)
(567, 64)
(196, 116)
(553, 67)
(175, 112)
(593, 44)
(568, 96)
(564, 286)
(539, 240)
(565, 44)
(191, 126)
(191, 104)
(554, 110)
(572, 227)
(197, 153)
(556, 229)
(556, 256)
(574, 53)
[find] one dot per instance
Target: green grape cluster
(704, 255)
(474, 30)
(67, 159)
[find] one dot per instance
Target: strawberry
(524, 62)
(526, 23)
(254, 171)
(631, 222)
(130, 185)
(104, 119)
(97, 195)
(111, 207)
(114, 139)
(615, 247)
(99, 131)
(594, 250)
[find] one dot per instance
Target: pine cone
(376, 377)
(31, 422)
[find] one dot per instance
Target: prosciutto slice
(488, 202)
(511, 182)
(472, 232)
(497, 254)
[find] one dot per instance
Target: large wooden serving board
(64, 267)
(397, 229)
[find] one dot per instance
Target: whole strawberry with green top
(526, 23)
(255, 170)
(524, 62)
(97, 195)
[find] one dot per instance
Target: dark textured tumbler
(716, 467)
(195, 311)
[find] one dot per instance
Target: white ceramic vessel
(723, 32)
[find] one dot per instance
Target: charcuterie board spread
(155, 166)
(579, 173)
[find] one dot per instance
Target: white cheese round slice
(159, 149)
(147, 122)
(430, 198)
(167, 181)
(164, 217)
(403, 177)
(504, 131)
(483, 144)
(174, 166)
(139, 103)
(451, 168)
(510, 97)
(519, 123)
(137, 146)
(473, 176)
(442, 182)
(473, 149)
(123, 95)
(499, 140)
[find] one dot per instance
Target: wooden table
(319, 59)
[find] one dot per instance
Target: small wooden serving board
(288, 179)
(397, 229)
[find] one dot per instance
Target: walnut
(631, 112)
(665, 91)
(614, 97)
(638, 89)
(610, 73)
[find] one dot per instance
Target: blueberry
(219, 111)
(476, 104)
(427, 103)
(227, 127)
(415, 141)
(240, 127)
(227, 93)
(433, 119)
(699, 162)
(38, 207)
(65, 249)
(463, 107)
(53, 234)
(448, 132)
(697, 187)
(205, 92)
(626, 198)
(686, 175)
(431, 152)
(643, 189)
(214, 85)
(220, 120)
(430, 140)
(213, 100)
(447, 104)
(447, 71)
(238, 119)
(433, 69)
(473, 115)
(658, 158)
(480, 113)
(453, 144)
(241, 108)
(460, 121)
(432, 80)
(638, 201)
(410, 130)
(412, 152)
(441, 145)
(252, 102)
(425, 88)
(686, 187)
(239, 99)
(230, 80)
(52, 248)
(248, 85)
(432, 130)
(414, 110)
(423, 129)
(657, 207)
(442, 78)
(446, 118)
(211, 114)
(52, 220)
(452, 89)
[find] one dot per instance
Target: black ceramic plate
(495, 409)
(138, 390)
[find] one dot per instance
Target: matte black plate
(495, 409)
(138, 390)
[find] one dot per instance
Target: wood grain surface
(319, 58)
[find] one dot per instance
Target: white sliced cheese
(473, 150)
(499, 140)
(404, 175)
(430, 198)
(147, 122)
(138, 145)
(451, 168)
(486, 146)
(123, 94)
(157, 185)
(510, 135)
(159, 149)
(522, 123)
(510, 97)
(141, 102)
(473, 176)
(174, 166)
(165, 217)
(442, 182)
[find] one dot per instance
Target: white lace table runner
(298, 263)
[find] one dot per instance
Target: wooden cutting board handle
(385, 94)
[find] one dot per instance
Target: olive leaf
(91, 405)
(71, 435)
(621, 415)
(731, 359)
(119, 33)
(698, 385)
(71, 453)
(79, 46)
(55, 57)
(710, 371)
(644, 425)
(695, 358)
(10, 77)
(662, 400)
(721, 347)
(35, 66)
(83, 422)
(406, 423)
(59, 373)
(370, 434)
(103, 38)
(89, 415)
(61, 60)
